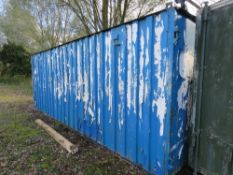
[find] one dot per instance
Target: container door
(214, 104)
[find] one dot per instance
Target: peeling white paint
(129, 69)
(53, 76)
(100, 94)
(180, 151)
(54, 73)
(86, 83)
(65, 75)
(158, 163)
(132, 31)
(147, 46)
(160, 101)
(141, 79)
(98, 117)
(74, 68)
(174, 147)
(35, 73)
(134, 78)
(147, 75)
(92, 57)
(91, 112)
(180, 130)
(161, 112)
(79, 83)
(121, 89)
(108, 78)
(59, 77)
(48, 72)
(186, 64)
(121, 86)
(182, 95)
(120, 115)
(69, 76)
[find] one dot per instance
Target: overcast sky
(1, 6)
(210, 1)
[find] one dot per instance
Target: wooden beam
(71, 148)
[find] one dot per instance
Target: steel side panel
(116, 88)
(93, 87)
(181, 95)
(132, 91)
(215, 147)
(100, 87)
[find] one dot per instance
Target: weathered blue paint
(123, 88)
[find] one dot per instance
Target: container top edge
(163, 8)
(221, 4)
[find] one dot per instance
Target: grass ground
(27, 149)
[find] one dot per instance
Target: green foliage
(14, 60)
(19, 26)
(37, 25)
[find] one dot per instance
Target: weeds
(27, 149)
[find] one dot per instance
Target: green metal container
(211, 149)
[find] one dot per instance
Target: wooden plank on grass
(71, 148)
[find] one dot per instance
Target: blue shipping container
(126, 88)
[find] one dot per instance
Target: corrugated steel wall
(122, 88)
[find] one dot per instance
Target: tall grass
(14, 80)
(18, 82)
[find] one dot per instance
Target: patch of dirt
(90, 154)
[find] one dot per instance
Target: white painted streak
(56, 87)
(146, 64)
(69, 68)
(121, 93)
(134, 66)
(51, 71)
(174, 147)
(86, 83)
(79, 83)
(48, 59)
(141, 76)
(180, 151)
(100, 95)
(147, 46)
(65, 75)
(129, 69)
(182, 93)
(59, 77)
(91, 102)
(180, 130)
(186, 63)
(108, 67)
(121, 86)
(91, 112)
(52, 77)
(160, 101)
(161, 112)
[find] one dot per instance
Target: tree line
(36, 25)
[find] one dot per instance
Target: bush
(14, 60)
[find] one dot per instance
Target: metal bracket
(169, 4)
(116, 41)
(176, 35)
